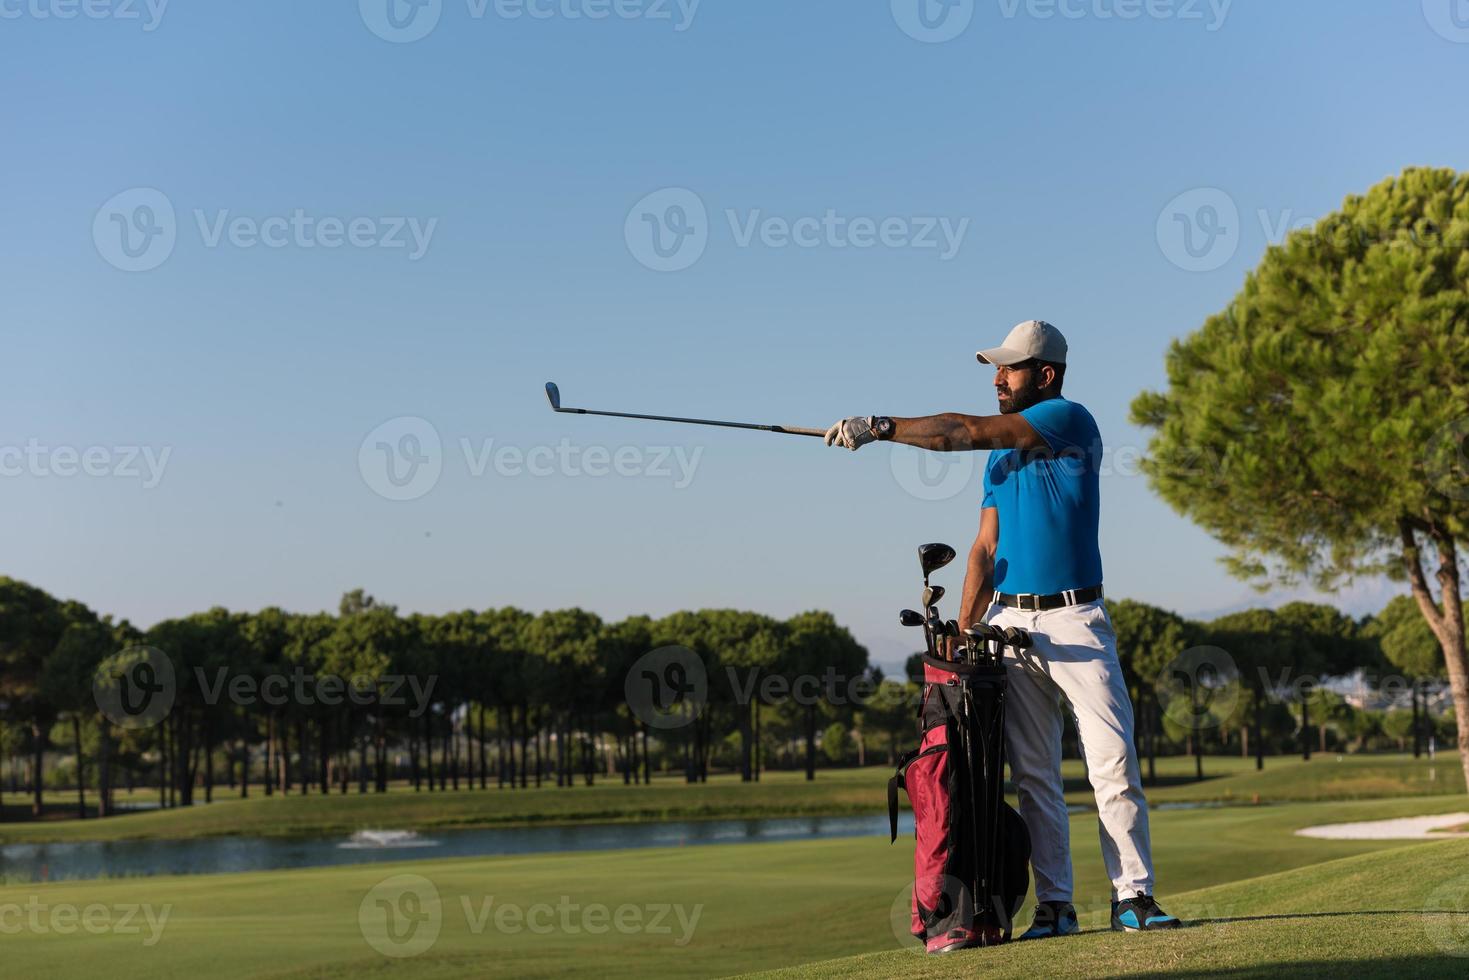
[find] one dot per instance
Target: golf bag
(971, 862)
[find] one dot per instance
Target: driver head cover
(1031, 339)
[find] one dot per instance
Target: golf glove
(852, 433)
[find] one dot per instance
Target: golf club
(932, 557)
(553, 394)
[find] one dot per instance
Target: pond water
(216, 855)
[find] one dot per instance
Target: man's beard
(1020, 399)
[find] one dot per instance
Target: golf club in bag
(971, 860)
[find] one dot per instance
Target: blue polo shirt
(1049, 503)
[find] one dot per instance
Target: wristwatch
(884, 428)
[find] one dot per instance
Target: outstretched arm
(947, 433)
(951, 432)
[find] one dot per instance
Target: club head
(932, 557)
(1017, 638)
(554, 395)
(932, 594)
(910, 618)
(980, 632)
(951, 628)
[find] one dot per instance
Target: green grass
(767, 906)
(1229, 779)
(1384, 916)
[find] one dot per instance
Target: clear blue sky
(1060, 139)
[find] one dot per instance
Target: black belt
(1029, 602)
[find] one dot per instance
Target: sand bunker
(1403, 828)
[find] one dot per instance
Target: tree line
(315, 702)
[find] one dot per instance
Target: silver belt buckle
(1034, 604)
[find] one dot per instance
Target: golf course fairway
(730, 909)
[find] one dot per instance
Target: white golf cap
(1033, 338)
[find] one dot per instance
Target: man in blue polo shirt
(1036, 564)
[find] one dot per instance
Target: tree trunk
(324, 754)
(104, 768)
(1259, 736)
(38, 802)
(208, 761)
(1306, 724)
(245, 768)
(76, 736)
(484, 777)
(1446, 619)
(267, 775)
(1417, 729)
(810, 742)
(524, 745)
(362, 764)
(647, 763)
(413, 762)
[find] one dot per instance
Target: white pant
(1075, 655)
